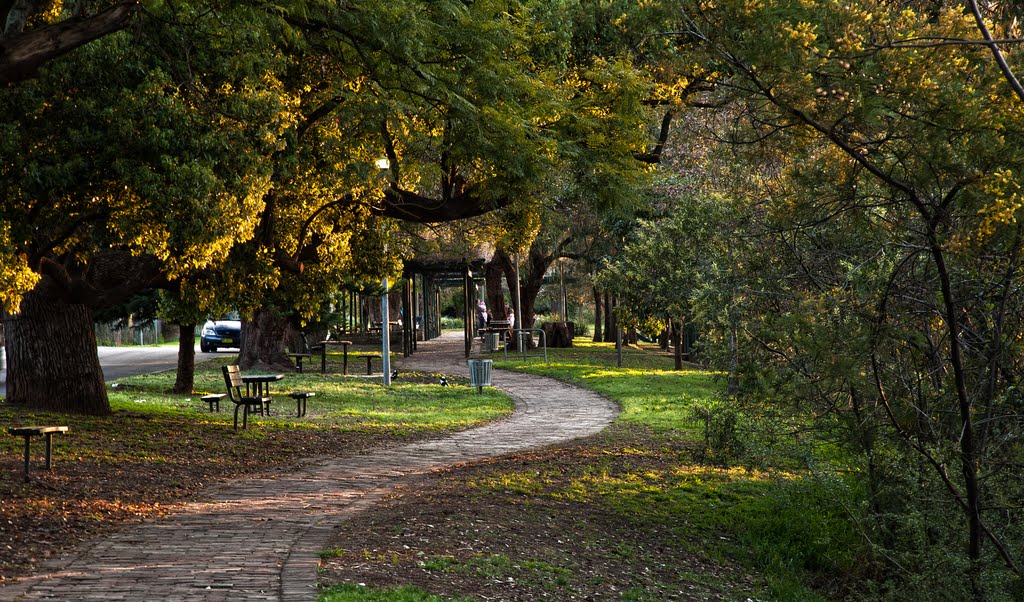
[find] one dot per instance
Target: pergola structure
(419, 289)
(433, 276)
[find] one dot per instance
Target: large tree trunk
(263, 340)
(532, 279)
(52, 359)
(598, 316)
(184, 380)
(678, 336)
(493, 271)
(610, 322)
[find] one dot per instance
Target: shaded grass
(358, 593)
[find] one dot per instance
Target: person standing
(481, 316)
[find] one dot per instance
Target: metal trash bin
(492, 341)
(479, 374)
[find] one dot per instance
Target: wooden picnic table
(323, 355)
(258, 385)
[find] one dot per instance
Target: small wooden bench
(369, 362)
(213, 400)
(300, 398)
(35, 431)
(298, 357)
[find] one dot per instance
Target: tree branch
(413, 207)
(22, 54)
(994, 47)
(655, 155)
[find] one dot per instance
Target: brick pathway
(258, 539)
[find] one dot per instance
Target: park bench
(369, 362)
(248, 404)
(499, 327)
(493, 336)
(36, 431)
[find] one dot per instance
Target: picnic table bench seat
(37, 431)
(298, 359)
(369, 362)
(213, 400)
(300, 398)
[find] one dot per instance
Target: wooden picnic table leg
(27, 439)
(49, 446)
(369, 359)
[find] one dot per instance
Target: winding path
(258, 539)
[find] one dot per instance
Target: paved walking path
(258, 539)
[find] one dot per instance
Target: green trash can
(479, 374)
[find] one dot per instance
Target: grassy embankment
(636, 513)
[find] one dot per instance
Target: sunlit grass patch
(660, 399)
(784, 523)
(511, 482)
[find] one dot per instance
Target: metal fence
(117, 335)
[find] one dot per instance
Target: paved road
(258, 539)
(118, 362)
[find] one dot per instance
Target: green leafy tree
(882, 293)
(123, 172)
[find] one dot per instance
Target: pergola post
(415, 311)
(467, 287)
(408, 322)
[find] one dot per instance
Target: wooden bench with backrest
(248, 404)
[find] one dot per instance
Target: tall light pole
(385, 315)
(385, 334)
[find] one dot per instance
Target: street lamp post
(385, 321)
(385, 334)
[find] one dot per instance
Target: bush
(448, 323)
(722, 442)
